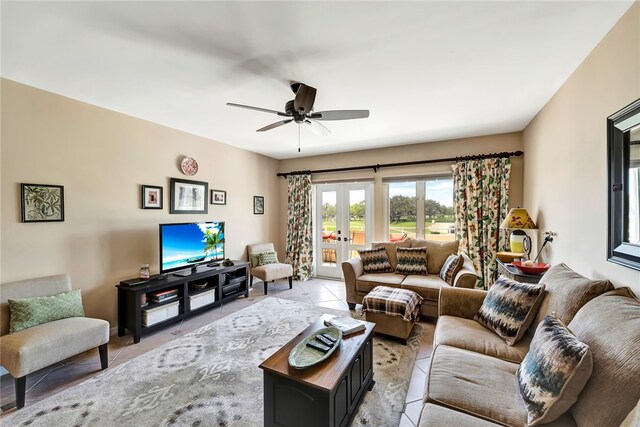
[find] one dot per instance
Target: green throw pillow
(268, 257)
(28, 312)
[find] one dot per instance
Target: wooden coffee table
(326, 394)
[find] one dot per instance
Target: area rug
(210, 377)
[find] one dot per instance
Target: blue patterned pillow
(412, 261)
(509, 308)
(375, 261)
(554, 372)
(451, 266)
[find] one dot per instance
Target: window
(421, 209)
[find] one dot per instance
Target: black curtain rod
(418, 162)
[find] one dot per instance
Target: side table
(515, 274)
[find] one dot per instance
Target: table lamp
(518, 219)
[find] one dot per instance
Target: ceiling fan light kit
(300, 111)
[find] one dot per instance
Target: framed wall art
(218, 197)
(258, 205)
(188, 197)
(151, 197)
(42, 202)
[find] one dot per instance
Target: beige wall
(565, 165)
(406, 153)
(101, 158)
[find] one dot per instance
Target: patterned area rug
(210, 377)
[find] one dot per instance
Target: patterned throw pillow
(509, 308)
(554, 372)
(267, 257)
(28, 312)
(451, 266)
(412, 261)
(375, 261)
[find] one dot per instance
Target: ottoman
(393, 310)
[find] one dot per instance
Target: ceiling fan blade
(305, 97)
(274, 125)
(339, 115)
(317, 128)
(264, 110)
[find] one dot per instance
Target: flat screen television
(190, 244)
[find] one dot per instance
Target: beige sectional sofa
(472, 375)
(359, 284)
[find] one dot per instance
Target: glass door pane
(357, 219)
(329, 228)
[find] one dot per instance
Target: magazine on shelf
(347, 325)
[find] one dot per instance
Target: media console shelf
(203, 289)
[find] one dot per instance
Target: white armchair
(269, 272)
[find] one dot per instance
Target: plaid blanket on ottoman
(393, 302)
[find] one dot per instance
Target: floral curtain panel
(481, 193)
(299, 226)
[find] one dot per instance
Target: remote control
(325, 341)
(329, 337)
(318, 346)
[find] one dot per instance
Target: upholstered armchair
(36, 347)
(267, 272)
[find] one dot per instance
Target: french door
(343, 225)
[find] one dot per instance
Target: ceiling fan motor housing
(291, 111)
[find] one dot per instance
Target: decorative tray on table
(302, 356)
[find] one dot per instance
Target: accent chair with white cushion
(268, 272)
(36, 347)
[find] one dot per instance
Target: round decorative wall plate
(189, 166)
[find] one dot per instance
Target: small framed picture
(218, 197)
(188, 197)
(42, 203)
(151, 197)
(258, 205)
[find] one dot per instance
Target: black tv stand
(228, 283)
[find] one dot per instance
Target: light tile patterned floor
(325, 293)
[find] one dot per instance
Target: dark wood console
(214, 285)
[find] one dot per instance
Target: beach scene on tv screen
(187, 244)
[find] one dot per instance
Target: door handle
(346, 239)
(339, 239)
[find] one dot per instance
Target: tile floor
(325, 293)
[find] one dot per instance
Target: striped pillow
(451, 266)
(554, 372)
(267, 257)
(375, 261)
(412, 261)
(509, 308)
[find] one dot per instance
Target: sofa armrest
(351, 269)
(460, 302)
(466, 277)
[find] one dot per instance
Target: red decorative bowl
(536, 268)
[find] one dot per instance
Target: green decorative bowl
(302, 357)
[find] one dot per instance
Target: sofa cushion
(437, 252)
(391, 248)
(40, 346)
(509, 308)
(375, 260)
(554, 372)
(28, 312)
(468, 334)
(412, 261)
(566, 292)
(477, 384)
(428, 287)
(610, 326)
(439, 416)
(367, 282)
(451, 266)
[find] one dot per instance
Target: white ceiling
(427, 70)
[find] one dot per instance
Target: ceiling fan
(300, 111)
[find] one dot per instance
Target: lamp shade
(518, 218)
